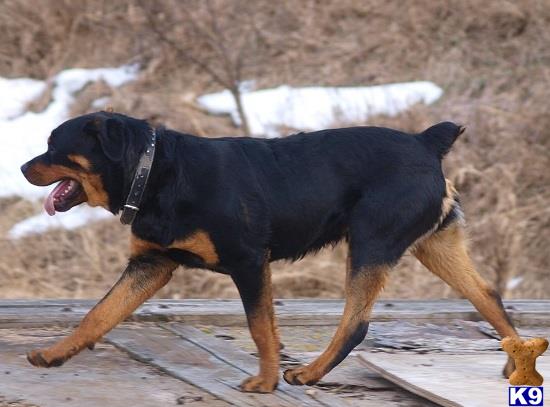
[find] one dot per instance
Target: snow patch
(101, 103)
(76, 217)
(514, 283)
(24, 136)
(16, 93)
(314, 108)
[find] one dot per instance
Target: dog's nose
(25, 167)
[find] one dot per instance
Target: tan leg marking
(362, 289)
(264, 332)
(445, 254)
(200, 244)
(138, 283)
(139, 247)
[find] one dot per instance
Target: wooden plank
(349, 380)
(21, 313)
(104, 377)
(524, 332)
(154, 346)
(455, 337)
(363, 387)
(193, 364)
(249, 365)
(470, 380)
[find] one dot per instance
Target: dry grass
(492, 61)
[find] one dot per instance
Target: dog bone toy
(525, 354)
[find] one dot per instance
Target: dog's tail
(440, 137)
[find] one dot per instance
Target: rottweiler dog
(233, 205)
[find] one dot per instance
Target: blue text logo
(525, 396)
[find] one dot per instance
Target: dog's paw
(300, 376)
(40, 358)
(509, 368)
(259, 384)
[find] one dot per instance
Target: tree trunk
(240, 110)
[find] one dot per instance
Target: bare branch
(180, 50)
(217, 40)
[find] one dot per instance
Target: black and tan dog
(233, 205)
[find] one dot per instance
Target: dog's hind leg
(379, 234)
(254, 285)
(446, 255)
(144, 276)
(362, 288)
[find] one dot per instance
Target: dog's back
(310, 183)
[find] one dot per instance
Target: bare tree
(221, 37)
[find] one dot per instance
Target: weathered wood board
(436, 349)
(248, 364)
(104, 377)
(21, 313)
(470, 380)
(363, 387)
(185, 353)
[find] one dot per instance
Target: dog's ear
(110, 134)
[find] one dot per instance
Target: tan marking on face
(200, 244)
(80, 160)
(41, 174)
(97, 196)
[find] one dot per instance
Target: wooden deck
(196, 352)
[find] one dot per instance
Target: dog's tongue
(49, 202)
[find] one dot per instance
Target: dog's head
(92, 158)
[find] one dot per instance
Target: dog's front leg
(254, 284)
(143, 276)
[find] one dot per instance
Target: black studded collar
(139, 183)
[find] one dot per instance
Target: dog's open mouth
(64, 196)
